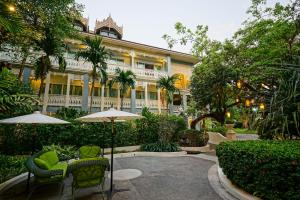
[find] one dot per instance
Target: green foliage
(219, 129)
(125, 80)
(268, 169)
(97, 54)
(11, 166)
(153, 127)
(160, 147)
(69, 113)
(167, 84)
(195, 138)
(283, 114)
(63, 152)
(14, 99)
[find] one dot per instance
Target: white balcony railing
(80, 65)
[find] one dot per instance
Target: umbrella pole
(32, 151)
(112, 156)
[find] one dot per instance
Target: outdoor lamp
(261, 106)
(228, 114)
(11, 8)
(239, 84)
(247, 102)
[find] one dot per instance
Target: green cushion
(50, 157)
(89, 151)
(41, 163)
(61, 165)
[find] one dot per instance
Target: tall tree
(125, 80)
(10, 20)
(98, 55)
(168, 85)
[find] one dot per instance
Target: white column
(67, 103)
(102, 97)
(158, 101)
(169, 67)
(132, 55)
(118, 100)
(46, 96)
(146, 94)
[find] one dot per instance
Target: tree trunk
(22, 68)
(219, 116)
(92, 94)
(122, 99)
(41, 86)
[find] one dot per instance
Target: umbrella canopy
(109, 115)
(34, 118)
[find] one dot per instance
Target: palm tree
(97, 54)
(51, 46)
(125, 79)
(168, 84)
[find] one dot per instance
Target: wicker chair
(89, 151)
(88, 172)
(45, 176)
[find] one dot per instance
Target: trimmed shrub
(194, 138)
(160, 147)
(219, 129)
(11, 166)
(268, 169)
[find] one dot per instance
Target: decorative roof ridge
(110, 23)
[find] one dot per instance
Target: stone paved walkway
(174, 178)
(247, 137)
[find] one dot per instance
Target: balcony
(76, 101)
(81, 66)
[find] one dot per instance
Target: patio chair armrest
(87, 162)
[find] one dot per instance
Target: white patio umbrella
(34, 118)
(112, 115)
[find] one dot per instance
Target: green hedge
(11, 166)
(195, 138)
(268, 169)
(160, 147)
(18, 139)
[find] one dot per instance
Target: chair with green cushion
(88, 172)
(89, 151)
(46, 169)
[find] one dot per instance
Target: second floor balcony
(81, 66)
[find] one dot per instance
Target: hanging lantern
(239, 84)
(228, 114)
(237, 100)
(262, 106)
(247, 103)
(252, 101)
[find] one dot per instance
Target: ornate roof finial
(109, 24)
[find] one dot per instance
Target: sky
(146, 21)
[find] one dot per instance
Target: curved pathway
(175, 178)
(172, 178)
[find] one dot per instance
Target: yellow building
(72, 88)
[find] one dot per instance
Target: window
(140, 95)
(117, 61)
(176, 99)
(55, 89)
(76, 90)
(153, 95)
(97, 91)
(113, 93)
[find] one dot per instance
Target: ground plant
(11, 166)
(267, 169)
